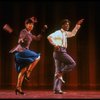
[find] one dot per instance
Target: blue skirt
(25, 58)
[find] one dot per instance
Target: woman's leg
(32, 66)
(20, 79)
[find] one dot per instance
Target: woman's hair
(31, 20)
(28, 21)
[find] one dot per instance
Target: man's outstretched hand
(80, 22)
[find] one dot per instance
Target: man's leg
(57, 80)
(68, 61)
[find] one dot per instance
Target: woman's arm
(37, 38)
(21, 37)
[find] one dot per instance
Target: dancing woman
(25, 59)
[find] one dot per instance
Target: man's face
(29, 26)
(66, 26)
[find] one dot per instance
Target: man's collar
(62, 30)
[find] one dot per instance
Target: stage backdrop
(84, 47)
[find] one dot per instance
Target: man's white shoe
(61, 79)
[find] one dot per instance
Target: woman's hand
(20, 41)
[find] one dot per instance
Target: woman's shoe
(18, 91)
(26, 78)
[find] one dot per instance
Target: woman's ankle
(28, 73)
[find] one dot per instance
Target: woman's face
(29, 26)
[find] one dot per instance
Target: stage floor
(48, 94)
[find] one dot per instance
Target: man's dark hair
(65, 21)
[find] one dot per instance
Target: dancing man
(63, 61)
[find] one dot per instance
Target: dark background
(84, 47)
